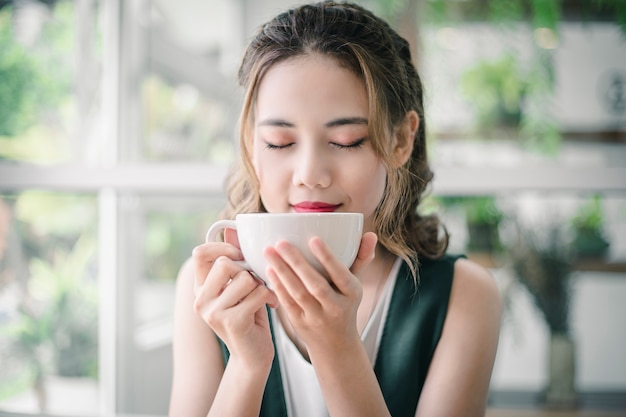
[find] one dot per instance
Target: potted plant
(50, 333)
(588, 224)
(496, 89)
(483, 218)
(543, 265)
(482, 221)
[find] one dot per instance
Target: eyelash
(354, 145)
(276, 147)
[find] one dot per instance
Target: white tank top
(303, 395)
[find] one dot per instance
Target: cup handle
(218, 226)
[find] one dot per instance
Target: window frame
(111, 178)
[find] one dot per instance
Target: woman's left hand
(321, 310)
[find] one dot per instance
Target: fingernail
(282, 246)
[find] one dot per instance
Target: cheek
(372, 185)
(371, 193)
(267, 171)
(379, 183)
(271, 175)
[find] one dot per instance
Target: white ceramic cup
(256, 231)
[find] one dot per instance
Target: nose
(312, 168)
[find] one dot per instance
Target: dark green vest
(410, 335)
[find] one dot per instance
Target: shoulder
(190, 331)
(474, 307)
(465, 284)
(186, 321)
(473, 284)
(460, 370)
(185, 278)
(197, 358)
(185, 291)
(463, 360)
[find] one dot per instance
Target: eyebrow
(347, 121)
(343, 121)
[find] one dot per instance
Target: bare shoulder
(184, 281)
(187, 324)
(198, 363)
(474, 285)
(185, 295)
(474, 313)
(458, 378)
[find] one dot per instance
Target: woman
(333, 120)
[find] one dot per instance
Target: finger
(241, 285)
(202, 264)
(220, 276)
(294, 272)
(244, 296)
(237, 288)
(204, 256)
(258, 298)
(366, 252)
(340, 276)
(281, 292)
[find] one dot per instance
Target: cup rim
(310, 214)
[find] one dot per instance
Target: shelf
(490, 261)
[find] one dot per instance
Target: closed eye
(271, 146)
(354, 145)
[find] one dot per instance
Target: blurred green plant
(496, 90)
(18, 92)
(542, 13)
(543, 263)
(503, 93)
(36, 88)
(170, 238)
(390, 9)
(588, 225)
(482, 220)
(182, 124)
(590, 215)
(53, 330)
(507, 94)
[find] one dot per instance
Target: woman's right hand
(233, 302)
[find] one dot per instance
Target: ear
(404, 138)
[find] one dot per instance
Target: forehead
(310, 86)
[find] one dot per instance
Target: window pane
(48, 303)
(183, 124)
(157, 235)
(50, 69)
(189, 98)
(535, 88)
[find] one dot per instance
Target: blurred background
(117, 127)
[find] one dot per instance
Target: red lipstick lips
(315, 207)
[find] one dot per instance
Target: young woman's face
(311, 146)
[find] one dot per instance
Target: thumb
(366, 252)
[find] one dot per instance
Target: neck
(373, 280)
(379, 268)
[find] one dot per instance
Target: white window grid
(110, 178)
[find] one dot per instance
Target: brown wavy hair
(368, 46)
